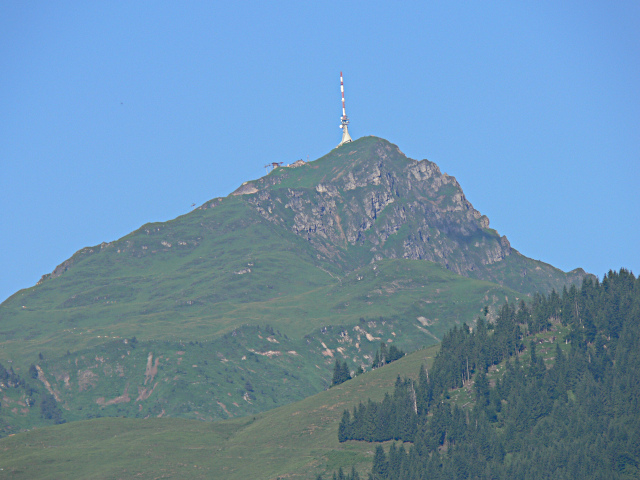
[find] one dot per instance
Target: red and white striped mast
(344, 120)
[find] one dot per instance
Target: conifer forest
(573, 413)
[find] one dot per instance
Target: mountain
(314, 261)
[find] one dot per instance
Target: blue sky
(115, 114)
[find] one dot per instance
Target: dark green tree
(340, 373)
(380, 468)
(49, 408)
(345, 428)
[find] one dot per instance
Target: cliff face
(368, 202)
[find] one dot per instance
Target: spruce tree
(340, 373)
(380, 468)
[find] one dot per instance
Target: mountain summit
(366, 201)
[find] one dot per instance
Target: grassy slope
(154, 292)
(265, 295)
(295, 441)
(207, 379)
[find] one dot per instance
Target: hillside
(297, 440)
(554, 394)
(549, 391)
(323, 259)
(252, 368)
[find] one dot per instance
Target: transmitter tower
(344, 120)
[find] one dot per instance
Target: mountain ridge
(320, 222)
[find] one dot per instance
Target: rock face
(372, 202)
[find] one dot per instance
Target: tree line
(383, 356)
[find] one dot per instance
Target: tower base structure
(346, 138)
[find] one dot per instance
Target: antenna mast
(344, 120)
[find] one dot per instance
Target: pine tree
(482, 389)
(340, 373)
(345, 374)
(380, 468)
(345, 427)
(337, 373)
(354, 474)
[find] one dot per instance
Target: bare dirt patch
(86, 379)
(124, 398)
(152, 369)
(224, 407)
(144, 393)
(47, 385)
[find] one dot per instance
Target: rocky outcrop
(386, 205)
(245, 189)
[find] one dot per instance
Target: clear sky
(115, 114)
